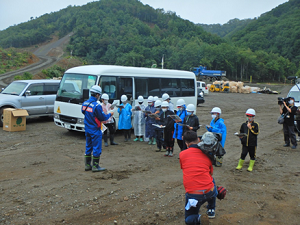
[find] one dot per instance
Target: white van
(295, 92)
(202, 85)
(116, 81)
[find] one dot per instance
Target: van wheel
(1, 115)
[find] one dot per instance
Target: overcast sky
(13, 12)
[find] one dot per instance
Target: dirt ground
(42, 177)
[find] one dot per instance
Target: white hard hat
(180, 102)
(124, 98)
(164, 104)
(165, 96)
(250, 112)
(216, 110)
(157, 103)
(140, 99)
(105, 96)
(155, 98)
(96, 89)
(190, 108)
(150, 98)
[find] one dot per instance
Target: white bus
(116, 81)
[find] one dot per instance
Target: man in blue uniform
(93, 115)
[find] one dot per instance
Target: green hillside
(277, 31)
(12, 59)
(126, 32)
(226, 29)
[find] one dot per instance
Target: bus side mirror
(86, 94)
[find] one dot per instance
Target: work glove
(221, 192)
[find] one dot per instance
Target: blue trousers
(191, 215)
(93, 144)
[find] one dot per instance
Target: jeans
(191, 215)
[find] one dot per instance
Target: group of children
(161, 125)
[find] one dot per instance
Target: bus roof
(125, 70)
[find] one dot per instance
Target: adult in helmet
(217, 126)
(93, 117)
(166, 97)
(178, 131)
(289, 109)
(110, 123)
(191, 120)
(125, 118)
(249, 142)
(150, 130)
(139, 119)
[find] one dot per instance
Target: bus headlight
(56, 116)
(80, 121)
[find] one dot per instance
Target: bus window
(108, 85)
(153, 87)
(171, 86)
(125, 87)
(187, 87)
(141, 87)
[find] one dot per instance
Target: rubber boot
(240, 165)
(87, 162)
(105, 140)
(150, 141)
(112, 140)
(251, 164)
(219, 161)
(96, 167)
(171, 153)
(154, 141)
(129, 134)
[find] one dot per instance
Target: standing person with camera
(288, 108)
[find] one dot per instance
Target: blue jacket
(178, 132)
(219, 127)
(125, 117)
(93, 115)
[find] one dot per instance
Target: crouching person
(198, 182)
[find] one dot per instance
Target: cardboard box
(14, 119)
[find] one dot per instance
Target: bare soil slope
(42, 177)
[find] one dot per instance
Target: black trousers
(111, 128)
(289, 134)
(168, 139)
(248, 149)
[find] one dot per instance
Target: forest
(129, 33)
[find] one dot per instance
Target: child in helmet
(158, 131)
(249, 142)
(178, 131)
(150, 132)
(125, 117)
(166, 97)
(217, 126)
(139, 120)
(110, 123)
(191, 120)
(168, 122)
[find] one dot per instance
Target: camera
(282, 99)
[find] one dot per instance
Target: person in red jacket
(198, 182)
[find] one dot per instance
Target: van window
(295, 94)
(187, 87)
(141, 87)
(108, 85)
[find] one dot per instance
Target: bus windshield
(72, 85)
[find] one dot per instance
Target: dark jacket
(289, 118)
(251, 138)
(167, 121)
(191, 121)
